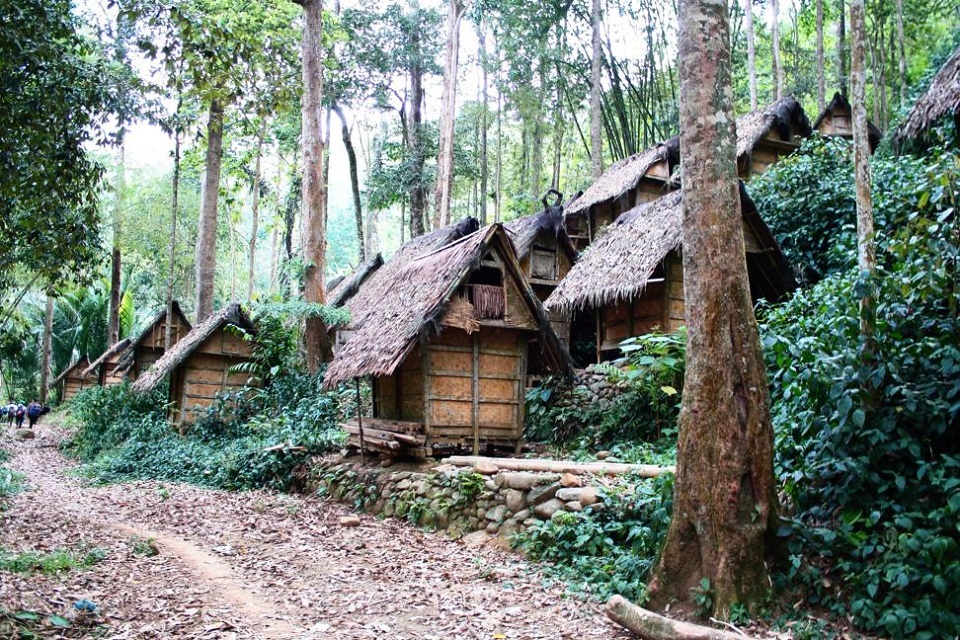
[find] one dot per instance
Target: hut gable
(640, 254)
(73, 380)
(107, 362)
(542, 246)
(342, 289)
(149, 345)
(763, 136)
(939, 101)
(837, 120)
(200, 339)
(458, 285)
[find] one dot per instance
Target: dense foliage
(873, 481)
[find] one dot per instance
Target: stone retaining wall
(454, 499)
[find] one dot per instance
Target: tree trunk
(113, 321)
(207, 227)
(902, 54)
(725, 502)
(821, 73)
(45, 349)
(418, 194)
(775, 37)
(255, 210)
(596, 129)
(354, 180)
(448, 109)
(174, 211)
(484, 126)
(866, 253)
(315, 236)
(751, 53)
(842, 49)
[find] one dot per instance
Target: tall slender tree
(725, 501)
(448, 115)
(596, 115)
(206, 259)
(842, 48)
(821, 72)
(775, 46)
(751, 53)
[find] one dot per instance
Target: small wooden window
(543, 264)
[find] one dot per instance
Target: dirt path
(264, 565)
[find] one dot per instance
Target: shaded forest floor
(177, 561)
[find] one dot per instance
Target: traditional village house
(836, 120)
(200, 364)
(766, 135)
(71, 380)
(447, 344)
(631, 277)
(940, 101)
(149, 345)
(102, 369)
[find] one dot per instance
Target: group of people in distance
(15, 412)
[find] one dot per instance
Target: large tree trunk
(596, 129)
(842, 49)
(751, 54)
(174, 211)
(354, 180)
(775, 45)
(418, 196)
(821, 73)
(315, 236)
(448, 109)
(725, 502)
(255, 210)
(207, 227)
(866, 253)
(113, 321)
(45, 349)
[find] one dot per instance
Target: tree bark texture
(255, 209)
(448, 117)
(484, 126)
(821, 72)
(725, 502)
(775, 45)
(314, 240)
(596, 129)
(207, 227)
(113, 320)
(174, 213)
(751, 53)
(354, 180)
(45, 347)
(901, 54)
(418, 196)
(842, 49)
(866, 252)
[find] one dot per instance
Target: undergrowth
(50, 563)
(11, 482)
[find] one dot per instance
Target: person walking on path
(11, 412)
(21, 411)
(34, 411)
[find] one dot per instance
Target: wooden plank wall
(206, 372)
(675, 306)
(406, 384)
(633, 318)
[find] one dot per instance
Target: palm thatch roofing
(415, 297)
(76, 367)
(625, 175)
(129, 355)
(840, 103)
(378, 285)
(106, 355)
(786, 115)
(344, 288)
(232, 314)
(941, 99)
(618, 264)
(523, 231)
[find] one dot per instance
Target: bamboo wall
(195, 383)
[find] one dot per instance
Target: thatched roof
(232, 314)
(129, 355)
(625, 175)
(524, 231)
(344, 288)
(414, 299)
(785, 114)
(941, 99)
(106, 355)
(378, 285)
(841, 104)
(618, 264)
(76, 367)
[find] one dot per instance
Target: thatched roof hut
(447, 344)
(345, 287)
(199, 365)
(837, 120)
(102, 368)
(72, 380)
(766, 135)
(149, 345)
(632, 275)
(942, 99)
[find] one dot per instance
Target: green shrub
(110, 415)
(610, 551)
(54, 562)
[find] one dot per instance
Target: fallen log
(561, 466)
(652, 626)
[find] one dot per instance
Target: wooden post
(476, 393)
(363, 456)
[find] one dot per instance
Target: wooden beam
(562, 466)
